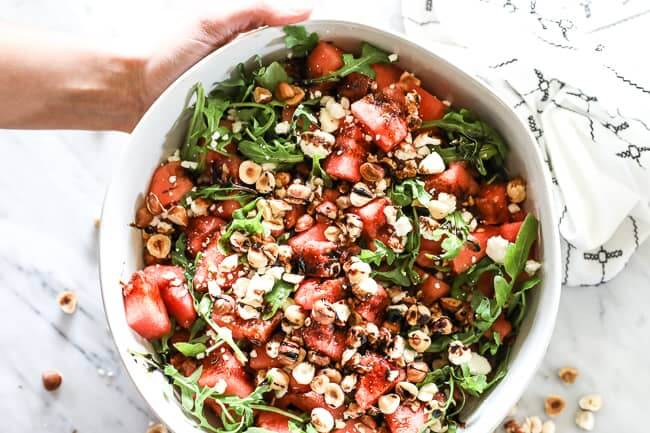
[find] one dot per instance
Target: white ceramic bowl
(159, 133)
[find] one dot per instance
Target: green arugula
(405, 193)
(190, 349)
(204, 122)
(370, 55)
(517, 253)
(270, 76)
(276, 298)
(317, 171)
(217, 192)
(241, 222)
(278, 151)
(298, 40)
(303, 117)
(403, 272)
(381, 253)
(471, 140)
(456, 234)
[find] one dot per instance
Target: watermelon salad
(332, 248)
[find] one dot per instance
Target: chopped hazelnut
(554, 405)
(51, 380)
(67, 301)
(568, 375)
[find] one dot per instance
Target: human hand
(211, 31)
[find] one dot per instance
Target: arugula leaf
(239, 86)
(502, 290)
(206, 115)
(241, 222)
(270, 76)
(190, 349)
(403, 194)
(276, 297)
(492, 345)
(376, 257)
(398, 275)
(280, 152)
(456, 233)
(178, 254)
(258, 117)
(298, 40)
(317, 171)
(302, 112)
(517, 253)
(217, 192)
(473, 384)
(471, 140)
(369, 56)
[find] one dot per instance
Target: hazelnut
(143, 217)
(554, 405)
(585, 420)
(371, 172)
(178, 215)
(407, 391)
(322, 420)
(388, 403)
(67, 302)
(51, 380)
(279, 381)
(159, 245)
(303, 373)
(265, 183)
(323, 312)
(262, 95)
(419, 340)
(568, 375)
(417, 371)
(249, 172)
(427, 392)
(153, 204)
(516, 190)
(284, 91)
(157, 428)
(361, 195)
(333, 394)
(591, 402)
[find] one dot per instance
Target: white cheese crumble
(496, 249)
(282, 128)
(532, 267)
(432, 164)
(478, 364)
(393, 57)
(403, 226)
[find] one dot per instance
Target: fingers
(220, 28)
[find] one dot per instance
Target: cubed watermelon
(312, 290)
(492, 203)
(433, 289)
(169, 184)
(262, 361)
(346, 159)
(325, 339)
(406, 420)
(273, 422)
(174, 293)
(200, 230)
(316, 233)
(222, 364)
(386, 74)
(382, 119)
(145, 310)
(309, 401)
(375, 383)
(428, 247)
(468, 256)
(319, 258)
(256, 331)
(323, 59)
(456, 179)
(372, 215)
(372, 309)
(509, 231)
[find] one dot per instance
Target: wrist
(125, 79)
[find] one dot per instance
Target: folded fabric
(569, 70)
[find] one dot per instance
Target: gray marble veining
(52, 186)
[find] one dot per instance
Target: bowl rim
(524, 374)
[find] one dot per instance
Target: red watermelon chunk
(199, 232)
(169, 184)
(318, 258)
(273, 422)
(316, 233)
(348, 155)
(382, 120)
(223, 365)
(325, 339)
(386, 74)
(372, 215)
(311, 290)
(428, 247)
(468, 256)
(405, 420)
(350, 427)
(262, 361)
(208, 269)
(433, 289)
(509, 231)
(375, 383)
(256, 331)
(492, 203)
(145, 310)
(323, 59)
(174, 293)
(455, 180)
(309, 401)
(372, 309)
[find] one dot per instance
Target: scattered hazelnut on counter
(51, 380)
(157, 428)
(554, 405)
(548, 427)
(568, 375)
(591, 402)
(67, 301)
(585, 420)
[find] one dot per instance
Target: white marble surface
(52, 185)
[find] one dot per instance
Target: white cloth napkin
(576, 73)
